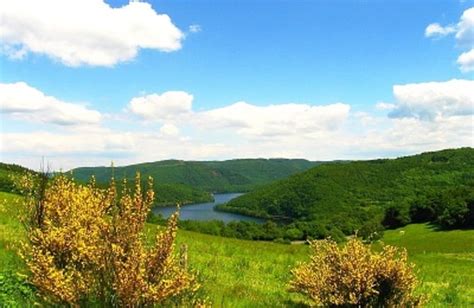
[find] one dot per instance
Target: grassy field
(245, 273)
(444, 259)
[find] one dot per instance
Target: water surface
(205, 211)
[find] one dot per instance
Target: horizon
(113, 165)
(144, 81)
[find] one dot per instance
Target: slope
(193, 181)
(354, 195)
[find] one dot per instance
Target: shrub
(354, 275)
(86, 245)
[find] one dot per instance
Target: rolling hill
(194, 181)
(355, 195)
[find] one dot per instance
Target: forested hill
(191, 181)
(7, 174)
(348, 196)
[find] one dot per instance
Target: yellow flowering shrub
(87, 245)
(354, 275)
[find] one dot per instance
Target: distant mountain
(348, 196)
(194, 181)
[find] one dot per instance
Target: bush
(86, 246)
(354, 275)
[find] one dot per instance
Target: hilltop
(345, 197)
(194, 181)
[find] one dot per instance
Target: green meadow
(238, 273)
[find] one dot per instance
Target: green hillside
(192, 181)
(7, 174)
(355, 196)
(238, 273)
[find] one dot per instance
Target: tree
(88, 246)
(396, 216)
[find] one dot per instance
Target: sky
(85, 83)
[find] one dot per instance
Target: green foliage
(238, 273)
(396, 216)
(269, 231)
(193, 181)
(7, 174)
(15, 289)
(172, 194)
(454, 208)
(361, 195)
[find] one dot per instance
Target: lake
(205, 211)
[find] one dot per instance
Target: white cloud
(86, 32)
(430, 100)
(246, 119)
(169, 130)
(195, 28)
(466, 61)
(362, 137)
(22, 101)
(275, 120)
(431, 116)
(384, 106)
(412, 135)
(71, 149)
(464, 33)
(435, 29)
(161, 107)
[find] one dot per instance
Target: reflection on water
(205, 211)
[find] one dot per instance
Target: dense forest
(329, 200)
(177, 181)
(368, 196)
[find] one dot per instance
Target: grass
(444, 259)
(237, 273)
(243, 273)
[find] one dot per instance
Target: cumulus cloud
(169, 130)
(22, 101)
(465, 28)
(464, 33)
(356, 139)
(71, 149)
(412, 135)
(275, 120)
(426, 116)
(430, 100)
(86, 32)
(466, 61)
(161, 107)
(245, 118)
(435, 29)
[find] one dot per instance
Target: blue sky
(299, 55)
